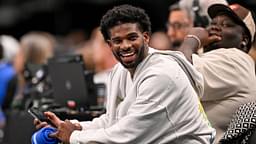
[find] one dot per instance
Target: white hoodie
(159, 105)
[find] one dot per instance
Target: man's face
(178, 26)
(231, 33)
(129, 45)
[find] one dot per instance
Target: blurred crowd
(23, 59)
(20, 59)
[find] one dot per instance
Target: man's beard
(138, 60)
(140, 53)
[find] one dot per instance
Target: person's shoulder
(233, 54)
(223, 51)
(161, 60)
(160, 63)
(224, 57)
(222, 54)
(118, 69)
(160, 57)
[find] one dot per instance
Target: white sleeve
(147, 117)
(96, 123)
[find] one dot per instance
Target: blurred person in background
(86, 51)
(180, 21)
(2, 90)
(103, 58)
(73, 42)
(1, 52)
(184, 15)
(198, 10)
(160, 41)
(104, 62)
(11, 67)
(227, 68)
(98, 58)
(38, 47)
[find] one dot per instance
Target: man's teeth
(127, 54)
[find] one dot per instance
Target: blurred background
(74, 17)
(34, 31)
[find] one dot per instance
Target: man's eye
(177, 25)
(116, 41)
(213, 23)
(227, 25)
(224, 25)
(133, 38)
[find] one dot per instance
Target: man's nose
(214, 27)
(171, 32)
(125, 44)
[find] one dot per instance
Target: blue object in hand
(42, 136)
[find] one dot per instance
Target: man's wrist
(190, 36)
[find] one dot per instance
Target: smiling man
(150, 97)
(129, 46)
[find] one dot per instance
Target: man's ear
(109, 43)
(245, 39)
(244, 43)
(146, 37)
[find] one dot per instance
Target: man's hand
(38, 124)
(199, 37)
(52, 118)
(64, 131)
(64, 128)
(204, 36)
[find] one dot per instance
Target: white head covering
(11, 47)
(204, 5)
